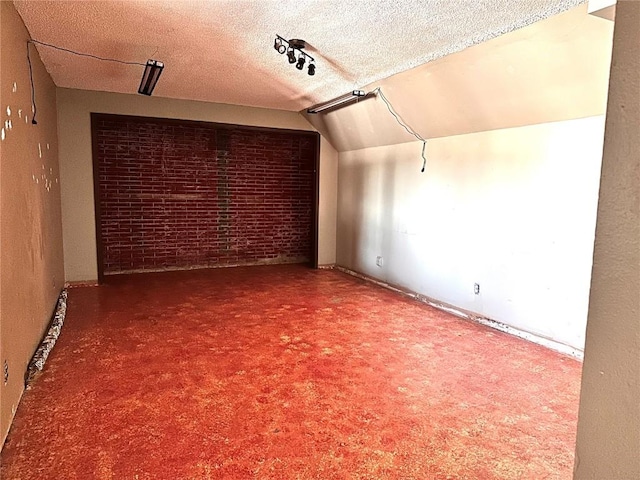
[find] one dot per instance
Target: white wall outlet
(476, 288)
(379, 261)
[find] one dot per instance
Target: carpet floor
(284, 372)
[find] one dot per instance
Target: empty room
(320, 239)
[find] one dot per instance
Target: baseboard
(328, 266)
(471, 316)
(82, 283)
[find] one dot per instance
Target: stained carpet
(284, 372)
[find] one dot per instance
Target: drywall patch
(40, 357)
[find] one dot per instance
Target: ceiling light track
(339, 102)
(150, 76)
(354, 97)
(293, 49)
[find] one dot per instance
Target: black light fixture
(293, 47)
(150, 76)
(339, 102)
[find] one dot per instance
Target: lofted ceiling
(222, 50)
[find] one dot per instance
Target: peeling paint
(8, 111)
(15, 87)
(40, 153)
(19, 113)
(2, 134)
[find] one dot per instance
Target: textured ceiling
(222, 51)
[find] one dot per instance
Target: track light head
(292, 55)
(300, 64)
(279, 46)
(312, 69)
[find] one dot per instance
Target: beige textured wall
(608, 442)
(30, 218)
(74, 109)
(327, 212)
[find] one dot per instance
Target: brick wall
(183, 195)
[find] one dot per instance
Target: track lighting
(293, 47)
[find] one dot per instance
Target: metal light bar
(290, 47)
(152, 71)
(293, 44)
(339, 102)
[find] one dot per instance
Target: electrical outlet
(379, 261)
(476, 288)
(5, 372)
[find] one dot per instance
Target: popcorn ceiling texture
(223, 51)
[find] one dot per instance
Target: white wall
(76, 170)
(512, 209)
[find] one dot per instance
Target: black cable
(402, 123)
(33, 91)
(44, 44)
(85, 54)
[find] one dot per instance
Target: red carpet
(283, 372)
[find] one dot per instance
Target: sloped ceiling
(222, 51)
(556, 69)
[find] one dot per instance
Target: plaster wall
(608, 440)
(30, 218)
(74, 109)
(512, 210)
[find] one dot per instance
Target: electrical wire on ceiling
(378, 92)
(152, 70)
